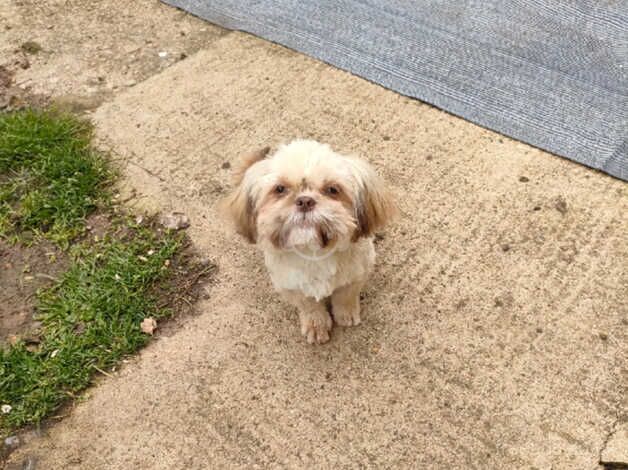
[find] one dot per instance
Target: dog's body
(313, 213)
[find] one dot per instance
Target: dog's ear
(375, 205)
(247, 161)
(239, 206)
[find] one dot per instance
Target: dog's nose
(305, 203)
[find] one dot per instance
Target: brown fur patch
(278, 235)
(241, 210)
(248, 161)
(240, 206)
(374, 209)
(326, 236)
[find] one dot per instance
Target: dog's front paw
(316, 327)
(347, 314)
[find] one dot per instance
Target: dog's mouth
(303, 230)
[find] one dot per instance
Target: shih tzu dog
(313, 213)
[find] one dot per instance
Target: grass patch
(50, 176)
(51, 179)
(90, 319)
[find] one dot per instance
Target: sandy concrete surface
(86, 51)
(494, 326)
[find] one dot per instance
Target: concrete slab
(90, 50)
(494, 329)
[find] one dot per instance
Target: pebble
(174, 221)
(12, 442)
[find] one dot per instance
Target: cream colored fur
(312, 255)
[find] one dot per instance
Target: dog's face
(306, 195)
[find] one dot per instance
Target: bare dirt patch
(191, 276)
(24, 270)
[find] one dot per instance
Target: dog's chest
(319, 278)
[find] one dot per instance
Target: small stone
(505, 247)
(603, 336)
(163, 54)
(524, 179)
(225, 166)
(130, 83)
(386, 138)
(537, 208)
(175, 221)
(139, 219)
(6, 409)
(539, 329)
(12, 442)
(148, 325)
(182, 56)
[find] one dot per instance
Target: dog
(313, 213)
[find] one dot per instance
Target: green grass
(91, 318)
(50, 176)
(51, 179)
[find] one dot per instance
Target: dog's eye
(333, 190)
(280, 189)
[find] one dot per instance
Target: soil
(191, 278)
(24, 270)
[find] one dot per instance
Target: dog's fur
(324, 253)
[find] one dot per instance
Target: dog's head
(306, 195)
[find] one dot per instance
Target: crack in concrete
(609, 436)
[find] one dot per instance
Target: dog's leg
(315, 320)
(345, 304)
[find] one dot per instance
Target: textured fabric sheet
(552, 73)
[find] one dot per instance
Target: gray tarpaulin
(552, 73)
